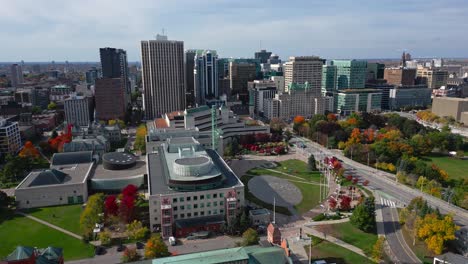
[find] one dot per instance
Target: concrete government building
(190, 189)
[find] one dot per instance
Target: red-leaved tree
(365, 183)
(349, 177)
(126, 209)
(355, 181)
(111, 206)
(130, 190)
(332, 203)
(345, 204)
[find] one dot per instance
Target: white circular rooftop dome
(192, 166)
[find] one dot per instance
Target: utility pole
(310, 252)
(274, 209)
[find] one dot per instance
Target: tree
(311, 163)
(363, 216)
(332, 203)
(277, 125)
(54, 134)
(136, 231)
(111, 206)
(92, 214)
(29, 151)
(244, 221)
(4, 200)
(130, 254)
(377, 249)
(36, 110)
(52, 106)
(119, 122)
(250, 237)
(345, 203)
(140, 138)
(156, 248)
(436, 232)
(105, 238)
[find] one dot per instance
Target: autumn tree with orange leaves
(29, 151)
(156, 248)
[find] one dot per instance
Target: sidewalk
(50, 225)
(328, 222)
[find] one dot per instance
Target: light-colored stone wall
(50, 195)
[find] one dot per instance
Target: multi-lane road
(390, 194)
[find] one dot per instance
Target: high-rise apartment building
(263, 55)
(400, 76)
(110, 98)
(351, 74)
(162, 76)
(259, 91)
(79, 110)
(302, 70)
(189, 78)
(10, 139)
(206, 76)
(16, 75)
(301, 99)
(114, 65)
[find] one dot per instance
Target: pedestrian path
(387, 203)
(50, 225)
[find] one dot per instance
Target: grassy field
(66, 216)
(419, 248)
(456, 168)
(310, 193)
(19, 230)
(351, 235)
(333, 253)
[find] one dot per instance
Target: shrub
(319, 217)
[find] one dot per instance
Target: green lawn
(456, 168)
(19, 230)
(351, 235)
(310, 193)
(65, 216)
(335, 254)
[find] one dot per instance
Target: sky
(61, 30)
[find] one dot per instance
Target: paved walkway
(293, 176)
(50, 225)
(329, 222)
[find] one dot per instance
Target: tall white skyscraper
(162, 76)
(304, 69)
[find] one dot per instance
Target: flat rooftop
(101, 173)
(158, 172)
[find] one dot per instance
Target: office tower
(189, 79)
(302, 70)
(328, 79)
(16, 75)
(259, 91)
(240, 73)
(432, 77)
(358, 100)
(10, 139)
(91, 75)
(206, 76)
(400, 76)
(401, 96)
(79, 110)
(114, 65)
(110, 99)
(263, 55)
(375, 71)
(162, 76)
(351, 74)
(40, 97)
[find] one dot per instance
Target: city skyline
(75, 31)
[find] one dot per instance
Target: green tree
(52, 106)
(92, 214)
(156, 248)
(363, 216)
(311, 163)
(136, 231)
(36, 110)
(244, 221)
(250, 237)
(105, 238)
(4, 199)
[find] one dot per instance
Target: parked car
(99, 251)
(140, 245)
(121, 248)
(172, 241)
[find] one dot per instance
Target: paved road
(385, 182)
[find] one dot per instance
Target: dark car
(121, 248)
(140, 245)
(99, 250)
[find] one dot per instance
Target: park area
(455, 167)
(66, 217)
(332, 253)
(295, 187)
(17, 230)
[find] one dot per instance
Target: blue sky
(61, 30)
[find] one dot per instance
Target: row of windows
(195, 206)
(189, 215)
(195, 197)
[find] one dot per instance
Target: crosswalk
(388, 203)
